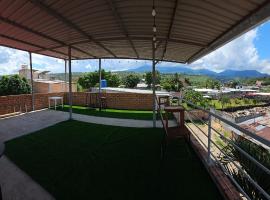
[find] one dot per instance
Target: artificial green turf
(113, 113)
(77, 160)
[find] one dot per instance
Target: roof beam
(148, 59)
(170, 28)
(68, 23)
(31, 44)
(121, 24)
(255, 18)
(17, 25)
(138, 38)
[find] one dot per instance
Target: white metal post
(70, 80)
(32, 82)
(154, 83)
(209, 140)
(99, 88)
(65, 75)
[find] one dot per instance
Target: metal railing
(205, 137)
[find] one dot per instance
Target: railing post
(209, 140)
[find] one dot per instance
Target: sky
(249, 51)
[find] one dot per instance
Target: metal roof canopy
(186, 29)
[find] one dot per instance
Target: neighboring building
(42, 82)
(26, 72)
(52, 86)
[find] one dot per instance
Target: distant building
(26, 72)
(259, 83)
(42, 82)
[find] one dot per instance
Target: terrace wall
(114, 100)
(23, 103)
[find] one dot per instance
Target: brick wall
(114, 100)
(23, 103)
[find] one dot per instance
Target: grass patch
(77, 160)
(113, 113)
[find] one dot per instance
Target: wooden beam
(68, 23)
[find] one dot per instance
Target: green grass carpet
(113, 113)
(77, 160)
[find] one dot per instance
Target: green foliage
(113, 80)
(195, 97)
(213, 84)
(233, 83)
(13, 85)
(149, 78)
(131, 81)
(246, 101)
(225, 100)
(91, 79)
(173, 83)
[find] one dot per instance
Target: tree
(113, 80)
(224, 100)
(213, 84)
(149, 78)
(234, 83)
(195, 97)
(131, 81)
(91, 79)
(13, 85)
(173, 84)
(187, 81)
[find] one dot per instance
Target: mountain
(221, 75)
(241, 74)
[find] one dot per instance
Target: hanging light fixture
(154, 28)
(154, 11)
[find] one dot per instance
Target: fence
(217, 151)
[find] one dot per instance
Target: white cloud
(240, 54)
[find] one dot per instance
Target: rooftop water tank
(103, 83)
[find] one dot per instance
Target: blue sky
(250, 51)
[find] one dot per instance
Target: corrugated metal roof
(186, 29)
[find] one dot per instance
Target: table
(2, 148)
(55, 101)
(175, 109)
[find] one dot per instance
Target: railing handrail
(210, 141)
(161, 117)
(239, 128)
